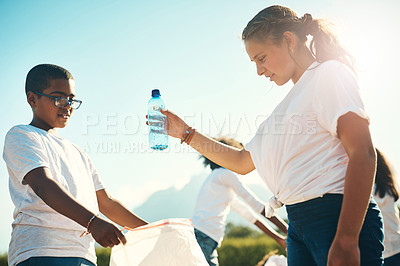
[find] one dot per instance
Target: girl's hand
(175, 125)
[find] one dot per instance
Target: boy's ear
(31, 99)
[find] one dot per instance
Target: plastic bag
(167, 242)
(276, 260)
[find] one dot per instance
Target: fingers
(113, 239)
(107, 234)
(121, 237)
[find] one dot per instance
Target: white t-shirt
(218, 193)
(391, 224)
(296, 150)
(38, 230)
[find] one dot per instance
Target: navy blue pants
(392, 260)
(55, 261)
(312, 228)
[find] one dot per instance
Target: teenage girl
(314, 152)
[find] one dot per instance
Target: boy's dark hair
(384, 180)
(38, 77)
(228, 141)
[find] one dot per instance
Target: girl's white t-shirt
(296, 150)
(38, 230)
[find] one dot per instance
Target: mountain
(173, 203)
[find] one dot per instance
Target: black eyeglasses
(61, 102)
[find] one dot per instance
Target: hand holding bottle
(175, 125)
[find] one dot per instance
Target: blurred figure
(219, 193)
(386, 195)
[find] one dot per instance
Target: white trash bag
(276, 260)
(169, 242)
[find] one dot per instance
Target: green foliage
(3, 259)
(246, 251)
(239, 231)
(103, 256)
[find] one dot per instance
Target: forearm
(236, 160)
(117, 212)
(62, 202)
(280, 223)
(357, 191)
(268, 230)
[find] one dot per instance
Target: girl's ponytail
(273, 21)
(324, 44)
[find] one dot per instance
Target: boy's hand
(105, 233)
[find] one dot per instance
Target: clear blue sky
(191, 50)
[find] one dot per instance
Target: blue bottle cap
(155, 93)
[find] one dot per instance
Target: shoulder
(20, 128)
(332, 65)
(332, 69)
(334, 77)
(78, 149)
(225, 174)
(19, 131)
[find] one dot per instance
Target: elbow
(106, 205)
(244, 171)
(366, 158)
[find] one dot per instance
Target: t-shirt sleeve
(243, 210)
(98, 184)
(255, 144)
(231, 180)
(337, 93)
(23, 152)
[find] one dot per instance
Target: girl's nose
(260, 70)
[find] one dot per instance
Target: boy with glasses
(54, 186)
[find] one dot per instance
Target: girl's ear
(290, 40)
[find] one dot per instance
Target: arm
(117, 212)
(268, 230)
(232, 181)
(55, 196)
(244, 211)
(278, 221)
(354, 133)
(240, 189)
(236, 160)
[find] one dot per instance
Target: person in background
(386, 195)
(219, 193)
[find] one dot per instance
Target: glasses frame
(56, 98)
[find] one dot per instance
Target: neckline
(302, 77)
(46, 132)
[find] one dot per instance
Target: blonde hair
(273, 21)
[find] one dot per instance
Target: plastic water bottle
(158, 136)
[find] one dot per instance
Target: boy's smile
(46, 115)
